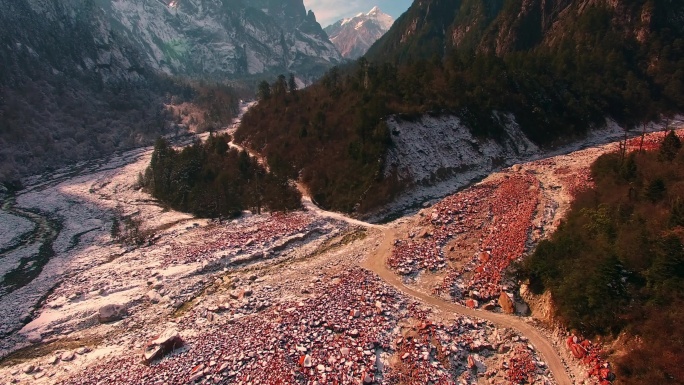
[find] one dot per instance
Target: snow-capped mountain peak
(353, 36)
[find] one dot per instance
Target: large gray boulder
(111, 313)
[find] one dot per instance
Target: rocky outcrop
(430, 149)
(541, 306)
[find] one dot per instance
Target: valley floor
(305, 297)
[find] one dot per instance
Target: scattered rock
(153, 296)
(306, 361)
(28, 369)
(67, 356)
(196, 377)
(35, 338)
(471, 362)
(83, 350)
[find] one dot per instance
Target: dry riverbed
(304, 297)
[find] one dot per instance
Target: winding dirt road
(376, 263)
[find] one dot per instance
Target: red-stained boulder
(578, 351)
(506, 303)
(471, 303)
(162, 345)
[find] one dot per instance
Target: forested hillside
(212, 180)
(616, 264)
(333, 132)
(440, 27)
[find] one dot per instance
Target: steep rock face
(355, 35)
(431, 149)
(70, 89)
(501, 27)
(71, 37)
(225, 38)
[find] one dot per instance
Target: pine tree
(264, 92)
(292, 84)
(670, 146)
(115, 232)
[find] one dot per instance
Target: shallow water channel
(40, 238)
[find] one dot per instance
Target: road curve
(310, 206)
(376, 263)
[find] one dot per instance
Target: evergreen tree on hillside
(264, 91)
(670, 146)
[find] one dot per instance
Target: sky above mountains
(329, 11)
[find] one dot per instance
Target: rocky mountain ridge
(499, 27)
(353, 36)
(225, 38)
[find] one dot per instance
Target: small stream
(45, 231)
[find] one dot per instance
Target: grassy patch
(42, 350)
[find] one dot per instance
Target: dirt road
(310, 206)
(376, 263)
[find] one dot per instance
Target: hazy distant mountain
(355, 35)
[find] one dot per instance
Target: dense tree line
(213, 180)
(334, 134)
(616, 264)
